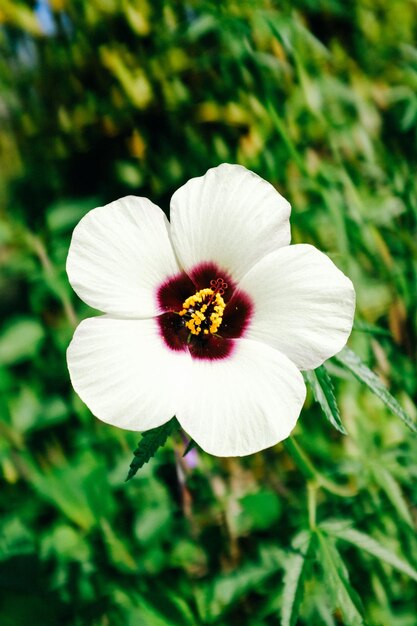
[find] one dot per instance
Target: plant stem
(313, 476)
(300, 458)
(312, 504)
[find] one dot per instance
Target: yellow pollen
(206, 298)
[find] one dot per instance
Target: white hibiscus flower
(209, 317)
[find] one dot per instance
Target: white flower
(210, 317)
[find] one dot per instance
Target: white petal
(304, 305)
(244, 403)
(229, 216)
(124, 373)
(119, 255)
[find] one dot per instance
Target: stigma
(203, 312)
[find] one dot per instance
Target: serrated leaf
(295, 568)
(362, 541)
(354, 364)
(322, 387)
(337, 581)
(151, 440)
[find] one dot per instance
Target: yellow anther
(206, 298)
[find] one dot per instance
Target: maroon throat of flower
(204, 312)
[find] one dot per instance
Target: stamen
(210, 297)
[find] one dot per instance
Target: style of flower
(209, 317)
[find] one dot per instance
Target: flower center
(204, 310)
(208, 323)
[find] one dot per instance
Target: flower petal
(124, 373)
(230, 216)
(304, 305)
(244, 403)
(119, 255)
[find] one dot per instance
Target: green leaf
(322, 387)
(392, 489)
(149, 444)
(154, 518)
(353, 363)
(78, 490)
(372, 329)
(362, 541)
(65, 214)
(295, 568)
(217, 596)
(119, 554)
(63, 488)
(15, 538)
(336, 577)
(260, 510)
(66, 544)
(20, 341)
(140, 611)
(323, 609)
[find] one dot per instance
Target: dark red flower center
(204, 312)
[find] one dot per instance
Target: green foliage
(104, 99)
(20, 341)
(219, 596)
(353, 363)
(363, 542)
(260, 510)
(295, 571)
(151, 441)
(323, 391)
(336, 577)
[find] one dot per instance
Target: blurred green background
(103, 98)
